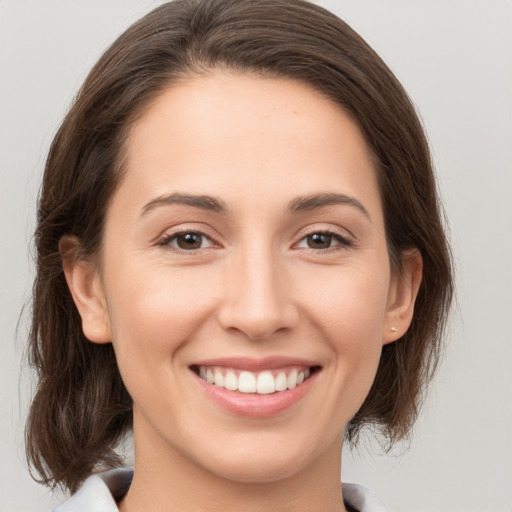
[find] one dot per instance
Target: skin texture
(254, 288)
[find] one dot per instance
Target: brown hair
(81, 408)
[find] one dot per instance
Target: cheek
(349, 305)
(155, 312)
(348, 313)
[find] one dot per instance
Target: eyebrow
(203, 202)
(213, 204)
(315, 201)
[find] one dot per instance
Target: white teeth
(246, 382)
(231, 381)
(219, 378)
(266, 383)
(292, 379)
(263, 383)
(281, 382)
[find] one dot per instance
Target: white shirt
(100, 492)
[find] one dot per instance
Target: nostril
(259, 313)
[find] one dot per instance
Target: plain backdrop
(455, 59)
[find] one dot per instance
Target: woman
(240, 257)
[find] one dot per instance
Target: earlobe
(403, 291)
(86, 288)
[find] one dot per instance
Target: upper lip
(256, 364)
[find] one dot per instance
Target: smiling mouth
(261, 383)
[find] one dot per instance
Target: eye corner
(327, 240)
(187, 241)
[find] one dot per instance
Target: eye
(323, 240)
(187, 241)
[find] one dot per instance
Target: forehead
(240, 137)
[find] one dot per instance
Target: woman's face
(245, 246)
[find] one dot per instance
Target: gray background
(455, 59)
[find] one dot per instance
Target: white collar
(99, 492)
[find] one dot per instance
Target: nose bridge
(257, 300)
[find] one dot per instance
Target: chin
(263, 460)
(263, 470)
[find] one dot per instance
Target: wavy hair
(81, 408)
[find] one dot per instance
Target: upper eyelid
(343, 234)
(344, 241)
(325, 232)
(188, 228)
(167, 237)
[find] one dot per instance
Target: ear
(402, 295)
(86, 288)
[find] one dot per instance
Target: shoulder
(361, 499)
(99, 492)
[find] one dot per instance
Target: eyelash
(168, 239)
(342, 242)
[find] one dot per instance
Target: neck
(170, 481)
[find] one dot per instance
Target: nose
(258, 299)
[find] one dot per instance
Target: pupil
(189, 241)
(319, 241)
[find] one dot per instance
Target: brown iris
(319, 240)
(189, 241)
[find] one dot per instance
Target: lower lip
(253, 405)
